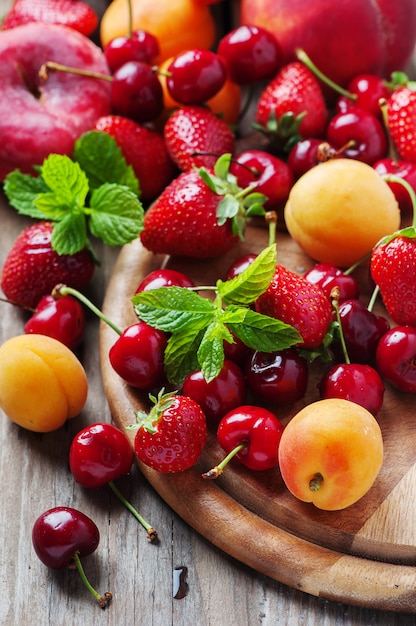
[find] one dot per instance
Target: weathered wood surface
(34, 476)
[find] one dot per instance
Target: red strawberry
(402, 122)
(393, 267)
(75, 14)
(145, 150)
(172, 436)
(295, 91)
(32, 268)
(294, 300)
(192, 129)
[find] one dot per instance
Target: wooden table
(35, 476)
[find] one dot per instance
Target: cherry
(396, 358)
(356, 382)
(365, 92)
(328, 276)
(62, 535)
(136, 92)
(61, 318)
(164, 278)
(140, 45)
(194, 76)
(98, 455)
(273, 177)
(362, 130)
(305, 154)
(236, 351)
(251, 54)
(278, 377)
(403, 169)
(219, 396)
(252, 435)
(137, 356)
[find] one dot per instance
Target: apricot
(338, 210)
(330, 453)
(178, 26)
(42, 383)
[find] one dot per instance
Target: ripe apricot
(42, 383)
(338, 210)
(178, 26)
(330, 453)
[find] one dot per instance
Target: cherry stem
(104, 600)
(373, 298)
(64, 290)
(335, 305)
(304, 58)
(218, 469)
(271, 220)
(151, 532)
(384, 114)
(316, 482)
(391, 178)
(130, 7)
(52, 65)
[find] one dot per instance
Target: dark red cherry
(304, 155)
(364, 131)
(366, 92)
(251, 54)
(61, 318)
(139, 46)
(136, 92)
(396, 358)
(278, 377)
(164, 278)
(194, 76)
(354, 382)
(328, 276)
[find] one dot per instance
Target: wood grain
(362, 555)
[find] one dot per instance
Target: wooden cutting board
(364, 555)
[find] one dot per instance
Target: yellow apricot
(42, 383)
(330, 453)
(339, 210)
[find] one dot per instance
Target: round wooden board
(364, 555)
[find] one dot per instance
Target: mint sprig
(198, 326)
(93, 193)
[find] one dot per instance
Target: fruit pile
(145, 137)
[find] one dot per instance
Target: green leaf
(264, 333)
(174, 309)
(70, 234)
(21, 191)
(181, 355)
(102, 160)
(116, 214)
(66, 180)
(252, 282)
(227, 208)
(211, 350)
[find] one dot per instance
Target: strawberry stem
(102, 600)
(151, 532)
(63, 290)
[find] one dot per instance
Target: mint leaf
(263, 333)
(101, 158)
(174, 309)
(211, 349)
(252, 282)
(66, 180)
(21, 190)
(116, 214)
(181, 355)
(70, 234)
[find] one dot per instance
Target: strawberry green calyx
(238, 204)
(149, 421)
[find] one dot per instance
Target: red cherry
(366, 92)
(355, 382)
(164, 278)
(137, 356)
(278, 377)
(402, 169)
(251, 54)
(219, 396)
(61, 318)
(327, 276)
(99, 454)
(139, 46)
(396, 358)
(273, 177)
(364, 130)
(195, 76)
(304, 155)
(136, 92)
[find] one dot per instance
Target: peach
(330, 453)
(42, 383)
(338, 210)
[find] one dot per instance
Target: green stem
(391, 178)
(373, 298)
(218, 469)
(316, 482)
(64, 290)
(335, 305)
(52, 65)
(102, 600)
(151, 532)
(303, 57)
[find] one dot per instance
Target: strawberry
(75, 14)
(145, 150)
(292, 105)
(195, 129)
(32, 268)
(294, 300)
(401, 113)
(393, 265)
(171, 437)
